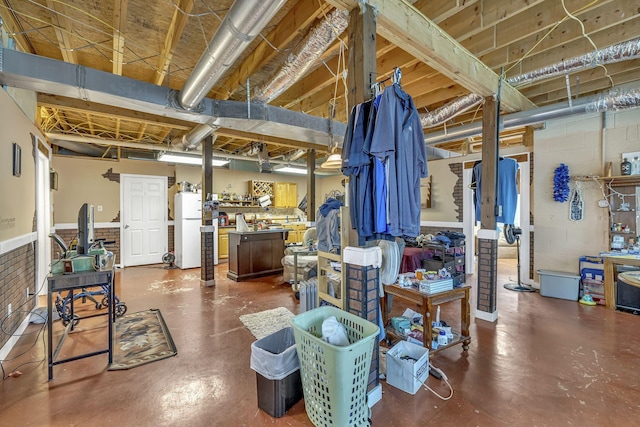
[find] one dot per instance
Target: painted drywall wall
(584, 147)
(82, 180)
(17, 203)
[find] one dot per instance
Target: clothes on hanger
(507, 196)
(385, 155)
(328, 226)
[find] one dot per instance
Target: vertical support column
(207, 236)
(311, 185)
(361, 63)
(362, 300)
(488, 235)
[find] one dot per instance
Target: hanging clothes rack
(395, 79)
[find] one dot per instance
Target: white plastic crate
(407, 374)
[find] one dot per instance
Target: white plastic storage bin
(558, 284)
(407, 366)
(362, 256)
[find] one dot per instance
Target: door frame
(43, 215)
(123, 177)
(469, 221)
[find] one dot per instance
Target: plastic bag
(334, 332)
(274, 356)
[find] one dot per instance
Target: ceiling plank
(119, 23)
(63, 29)
(15, 30)
(405, 26)
(291, 26)
(174, 33)
(80, 105)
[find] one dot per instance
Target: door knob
(126, 226)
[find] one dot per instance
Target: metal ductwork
(314, 44)
(450, 110)
(78, 147)
(243, 22)
(612, 100)
(615, 53)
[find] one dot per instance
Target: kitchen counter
(255, 253)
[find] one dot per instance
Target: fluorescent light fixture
(291, 169)
(189, 160)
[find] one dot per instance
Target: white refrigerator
(188, 220)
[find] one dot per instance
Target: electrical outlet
(9, 310)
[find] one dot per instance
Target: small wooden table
(426, 302)
(610, 277)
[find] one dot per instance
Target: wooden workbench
(427, 302)
(610, 277)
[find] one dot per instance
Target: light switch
(99, 208)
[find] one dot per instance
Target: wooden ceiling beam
(63, 29)
(174, 33)
(80, 105)
(119, 24)
(402, 24)
(625, 31)
(598, 21)
(291, 26)
(439, 10)
(232, 133)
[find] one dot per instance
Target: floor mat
(266, 322)
(141, 338)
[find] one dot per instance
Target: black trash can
(275, 360)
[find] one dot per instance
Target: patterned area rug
(141, 338)
(266, 322)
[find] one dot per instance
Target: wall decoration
(17, 159)
(561, 183)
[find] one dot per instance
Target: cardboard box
(558, 284)
(404, 373)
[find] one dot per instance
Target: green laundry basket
(334, 378)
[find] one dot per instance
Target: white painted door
(144, 219)
(43, 223)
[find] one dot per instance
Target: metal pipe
(450, 110)
(243, 22)
(608, 101)
(194, 137)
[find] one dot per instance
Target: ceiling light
(291, 169)
(189, 160)
(333, 162)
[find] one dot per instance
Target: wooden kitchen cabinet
(223, 243)
(255, 254)
(296, 233)
(285, 194)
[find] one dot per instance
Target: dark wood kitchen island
(255, 253)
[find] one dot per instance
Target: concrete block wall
(585, 144)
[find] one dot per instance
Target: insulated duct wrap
(450, 110)
(616, 53)
(298, 63)
(615, 100)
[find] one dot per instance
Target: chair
(299, 262)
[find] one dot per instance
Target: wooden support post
(362, 55)
(207, 239)
(488, 239)
(311, 185)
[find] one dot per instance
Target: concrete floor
(545, 362)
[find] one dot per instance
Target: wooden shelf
(618, 180)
